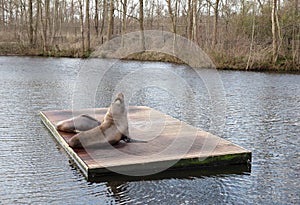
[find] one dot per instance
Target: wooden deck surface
(169, 142)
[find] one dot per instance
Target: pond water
(261, 113)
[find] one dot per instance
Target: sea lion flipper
(137, 141)
(90, 117)
(130, 140)
(125, 138)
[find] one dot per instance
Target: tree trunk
(47, 18)
(216, 18)
(81, 27)
(87, 22)
(30, 24)
(62, 19)
(37, 21)
(72, 18)
(152, 4)
(72, 12)
(42, 22)
(252, 36)
(274, 32)
(110, 20)
(97, 17)
(3, 12)
(295, 46)
(279, 36)
(54, 21)
(190, 19)
(124, 4)
(46, 24)
(194, 34)
(11, 14)
(172, 16)
(208, 30)
(16, 20)
(103, 16)
(141, 23)
(20, 23)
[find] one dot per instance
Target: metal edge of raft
(79, 162)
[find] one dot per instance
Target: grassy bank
(224, 60)
(15, 49)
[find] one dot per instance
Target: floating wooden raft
(170, 142)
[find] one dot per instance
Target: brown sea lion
(77, 124)
(113, 128)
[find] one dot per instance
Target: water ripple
(262, 114)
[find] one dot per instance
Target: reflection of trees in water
(118, 190)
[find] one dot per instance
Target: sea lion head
(118, 106)
(119, 113)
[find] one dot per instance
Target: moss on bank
(154, 56)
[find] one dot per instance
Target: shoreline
(160, 57)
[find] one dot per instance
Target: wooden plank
(170, 141)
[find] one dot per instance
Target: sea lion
(113, 128)
(77, 124)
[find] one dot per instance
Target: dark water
(261, 114)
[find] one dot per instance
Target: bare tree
(38, 3)
(44, 19)
(87, 22)
(141, 23)
(233, 25)
(3, 12)
(274, 31)
(190, 19)
(72, 11)
(96, 18)
(54, 21)
(47, 23)
(82, 27)
(208, 23)
(295, 46)
(103, 16)
(173, 15)
(194, 28)
(110, 20)
(30, 23)
(216, 19)
(124, 18)
(252, 35)
(152, 6)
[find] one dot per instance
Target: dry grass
(233, 58)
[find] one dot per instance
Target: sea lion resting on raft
(77, 124)
(113, 128)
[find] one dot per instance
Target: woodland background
(236, 34)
